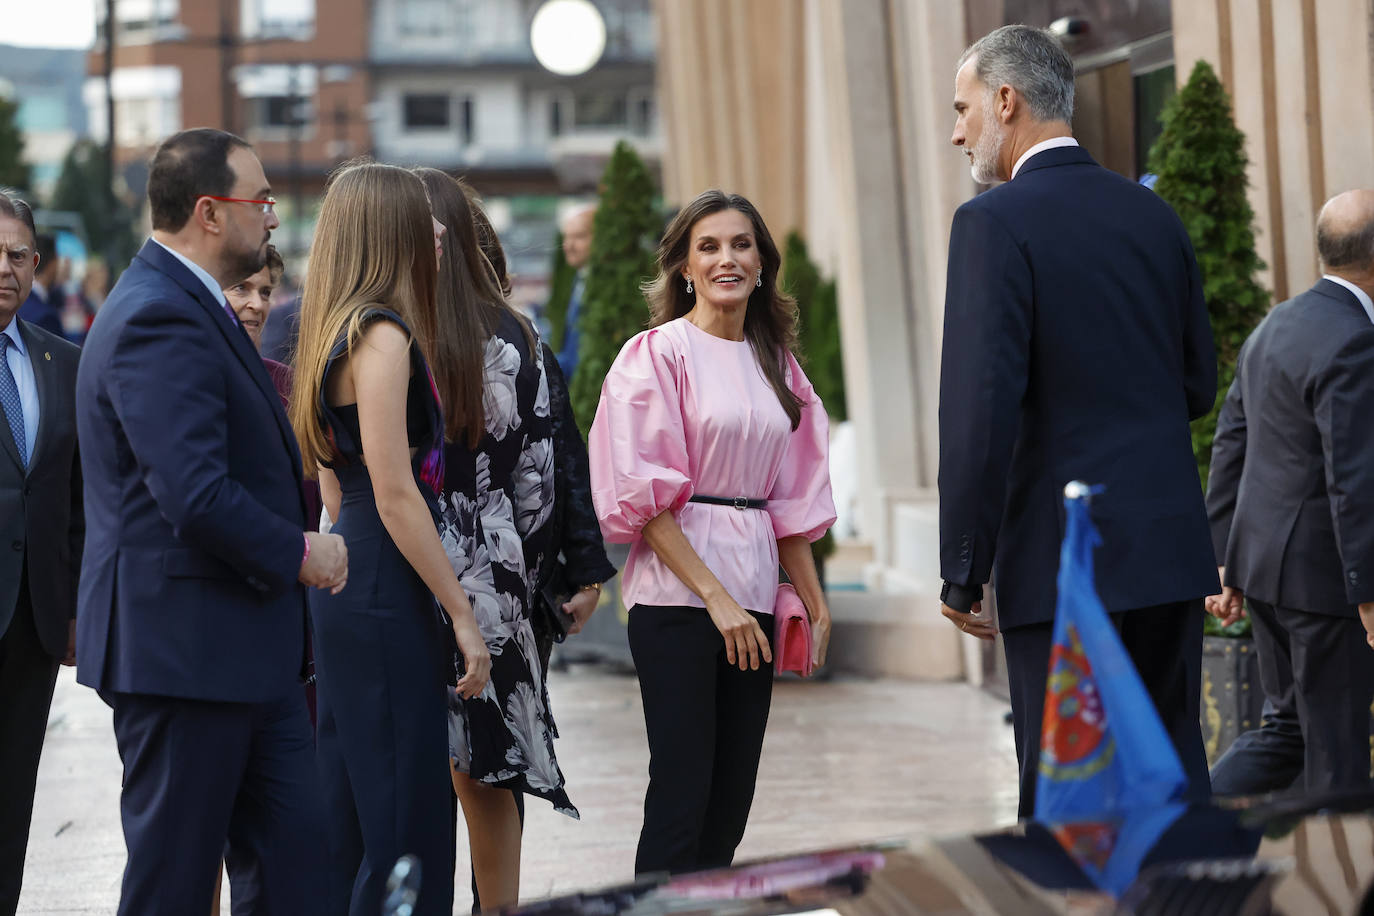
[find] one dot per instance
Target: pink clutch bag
(791, 633)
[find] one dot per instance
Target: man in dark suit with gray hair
(1076, 347)
(41, 531)
(1291, 500)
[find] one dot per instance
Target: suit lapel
(45, 379)
(234, 335)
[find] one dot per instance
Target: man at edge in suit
(1291, 499)
(191, 609)
(44, 303)
(1076, 347)
(577, 249)
(41, 529)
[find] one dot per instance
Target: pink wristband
(305, 559)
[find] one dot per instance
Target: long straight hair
(373, 248)
(470, 306)
(770, 318)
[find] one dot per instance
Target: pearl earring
(689, 286)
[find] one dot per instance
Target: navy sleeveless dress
(382, 654)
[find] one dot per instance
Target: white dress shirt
(1359, 294)
(1052, 143)
(17, 357)
(204, 276)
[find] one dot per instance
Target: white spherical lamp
(568, 36)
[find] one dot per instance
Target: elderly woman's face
(251, 300)
(723, 260)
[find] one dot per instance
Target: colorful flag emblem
(1103, 748)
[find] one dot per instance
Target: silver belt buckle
(741, 503)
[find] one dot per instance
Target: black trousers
(198, 774)
(1165, 642)
(27, 677)
(705, 721)
(1318, 677)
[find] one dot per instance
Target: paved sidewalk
(845, 761)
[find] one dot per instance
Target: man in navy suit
(1291, 497)
(41, 530)
(191, 609)
(1076, 347)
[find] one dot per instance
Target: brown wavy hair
(470, 305)
(487, 239)
(373, 248)
(770, 318)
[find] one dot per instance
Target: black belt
(737, 502)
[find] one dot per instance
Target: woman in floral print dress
(495, 508)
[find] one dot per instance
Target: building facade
(294, 84)
(46, 84)
(451, 84)
(456, 86)
(838, 125)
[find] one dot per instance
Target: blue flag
(1103, 748)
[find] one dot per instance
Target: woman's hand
(476, 658)
(820, 632)
(580, 608)
(745, 643)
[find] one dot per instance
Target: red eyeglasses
(266, 205)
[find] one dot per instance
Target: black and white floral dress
(494, 524)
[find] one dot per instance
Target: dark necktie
(9, 397)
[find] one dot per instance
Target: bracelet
(593, 586)
(306, 559)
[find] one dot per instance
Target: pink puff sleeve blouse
(683, 411)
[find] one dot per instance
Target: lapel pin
(47, 356)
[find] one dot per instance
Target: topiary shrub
(1200, 160)
(818, 328)
(561, 278)
(818, 334)
(625, 233)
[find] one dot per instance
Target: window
(147, 105)
(423, 111)
(277, 111)
(278, 96)
(1152, 91)
(467, 121)
(138, 19)
(600, 110)
(642, 112)
(277, 18)
(433, 18)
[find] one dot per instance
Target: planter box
(1232, 699)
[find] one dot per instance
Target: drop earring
(689, 286)
(758, 279)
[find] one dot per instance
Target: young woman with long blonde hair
(368, 419)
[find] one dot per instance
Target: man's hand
(1367, 618)
(973, 623)
(70, 658)
(580, 607)
(327, 565)
(1229, 606)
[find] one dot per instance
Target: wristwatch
(960, 597)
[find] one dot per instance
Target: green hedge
(625, 233)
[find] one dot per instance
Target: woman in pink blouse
(708, 455)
